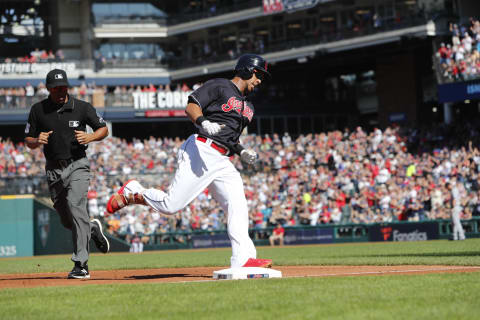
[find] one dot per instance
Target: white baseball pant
(201, 166)
(458, 232)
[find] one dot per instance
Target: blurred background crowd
(118, 96)
(37, 55)
(337, 177)
(460, 58)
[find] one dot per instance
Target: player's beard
(252, 93)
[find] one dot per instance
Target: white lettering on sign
(162, 100)
(40, 68)
(473, 88)
(151, 100)
(411, 236)
(8, 251)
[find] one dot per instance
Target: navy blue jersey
(222, 102)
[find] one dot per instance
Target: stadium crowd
(329, 178)
(460, 59)
(118, 96)
(37, 55)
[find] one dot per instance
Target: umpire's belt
(215, 145)
(62, 163)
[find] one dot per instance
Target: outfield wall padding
(16, 227)
(29, 227)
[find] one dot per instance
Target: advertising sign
(275, 6)
(295, 5)
(35, 68)
(272, 6)
(459, 91)
(404, 232)
(211, 241)
(308, 236)
(161, 100)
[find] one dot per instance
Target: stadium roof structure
(145, 76)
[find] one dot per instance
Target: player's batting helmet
(249, 62)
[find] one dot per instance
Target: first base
(246, 273)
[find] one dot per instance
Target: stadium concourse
(117, 96)
(328, 178)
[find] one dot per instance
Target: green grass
(432, 296)
(439, 252)
(435, 296)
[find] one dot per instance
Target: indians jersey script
(222, 102)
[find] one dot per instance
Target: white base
(246, 273)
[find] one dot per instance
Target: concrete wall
(73, 27)
(468, 8)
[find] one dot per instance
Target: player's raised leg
(193, 175)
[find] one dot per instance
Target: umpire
(59, 124)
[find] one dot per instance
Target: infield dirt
(205, 274)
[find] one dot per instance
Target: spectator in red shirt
(278, 234)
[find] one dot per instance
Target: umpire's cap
(248, 62)
(56, 78)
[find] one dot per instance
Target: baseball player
(220, 111)
(456, 205)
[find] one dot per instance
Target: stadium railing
(181, 17)
(109, 100)
(239, 5)
(307, 39)
(340, 233)
(24, 185)
(134, 63)
(310, 38)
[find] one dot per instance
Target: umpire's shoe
(98, 237)
(79, 272)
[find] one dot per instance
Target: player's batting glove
(212, 128)
(248, 156)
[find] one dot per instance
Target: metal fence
(109, 100)
(24, 185)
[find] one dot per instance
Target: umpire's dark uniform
(67, 167)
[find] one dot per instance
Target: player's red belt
(215, 146)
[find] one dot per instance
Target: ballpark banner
(458, 91)
(272, 6)
(417, 231)
(161, 99)
(295, 5)
(276, 6)
(36, 68)
(211, 241)
(308, 236)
